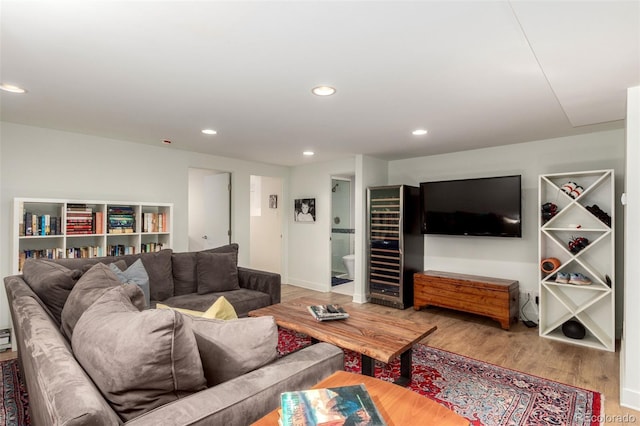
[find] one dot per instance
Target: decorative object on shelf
(577, 243)
(579, 279)
(597, 212)
(573, 329)
(304, 210)
(572, 189)
(273, 201)
(549, 210)
(549, 265)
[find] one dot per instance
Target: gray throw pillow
(232, 348)
(138, 360)
(135, 274)
(216, 272)
(93, 284)
(51, 282)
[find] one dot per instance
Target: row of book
(80, 219)
(44, 224)
(121, 220)
(88, 223)
(154, 222)
(85, 252)
(151, 247)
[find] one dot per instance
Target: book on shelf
(329, 407)
(327, 312)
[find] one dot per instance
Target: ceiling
(474, 73)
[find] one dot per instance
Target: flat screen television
(479, 207)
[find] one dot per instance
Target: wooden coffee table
(374, 336)
(397, 405)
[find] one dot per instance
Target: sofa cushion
(139, 360)
(231, 348)
(135, 274)
(158, 266)
(51, 282)
(89, 288)
(216, 272)
(185, 276)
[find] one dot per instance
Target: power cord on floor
(526, 320)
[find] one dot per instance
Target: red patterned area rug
(485, 394)
(14, 409)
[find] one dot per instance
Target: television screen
(481, 207)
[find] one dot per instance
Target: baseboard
(630, 398)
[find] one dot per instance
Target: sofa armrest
(245, 399)
(266, 282)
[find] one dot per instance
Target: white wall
(369, 172)
(630, 348)
(513, 258)
(266, 229)
(309, 249)
(37, 162)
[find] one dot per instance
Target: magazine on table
(343, 405)
(327, 312)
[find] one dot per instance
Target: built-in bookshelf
(57, 228)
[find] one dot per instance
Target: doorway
(265, 232)
(342, 234)
(209, 209)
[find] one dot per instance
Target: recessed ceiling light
(308, 153)
(209, 132)
(11, 88)
(419, 132)
(323, 90)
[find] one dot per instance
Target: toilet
(348, 261)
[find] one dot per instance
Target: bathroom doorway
(342, 234)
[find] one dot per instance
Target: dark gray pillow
(135, 274)
(216, 272)
(231, 348)
(138, 360)
(158, 266)
(89, 288)
(51, 282)
(185, 277)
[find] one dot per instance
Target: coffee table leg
(368, 365)
(405, 368)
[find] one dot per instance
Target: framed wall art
(304, 210)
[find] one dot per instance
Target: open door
(209, 209)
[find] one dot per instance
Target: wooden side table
(397, 405)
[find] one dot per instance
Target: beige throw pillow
(138, 360)
(221, 309)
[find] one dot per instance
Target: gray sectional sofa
(91, 355)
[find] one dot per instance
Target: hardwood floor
(520, 349)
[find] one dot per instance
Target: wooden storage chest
(495, 298)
